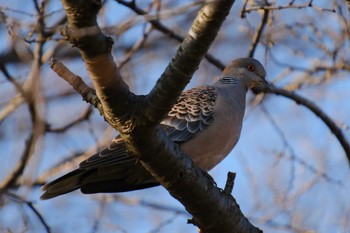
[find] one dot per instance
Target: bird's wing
(191, 114)
(114, 153)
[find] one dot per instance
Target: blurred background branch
(291, 173)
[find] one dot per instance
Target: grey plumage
(206, 121)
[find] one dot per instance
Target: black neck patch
(227, 80)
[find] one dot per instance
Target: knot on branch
(82, 13)
(89, 40)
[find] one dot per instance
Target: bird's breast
(212, 145)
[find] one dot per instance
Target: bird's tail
(62, 185)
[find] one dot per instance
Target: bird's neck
(234, 92)
(226, 81)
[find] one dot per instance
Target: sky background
(292, 173)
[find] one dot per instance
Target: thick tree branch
(83, 32)
(213, 209)
(191, 51)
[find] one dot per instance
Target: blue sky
(272, 181)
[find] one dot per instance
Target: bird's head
(249, 70)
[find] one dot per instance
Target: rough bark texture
(137, 117)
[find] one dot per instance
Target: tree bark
(137, 117)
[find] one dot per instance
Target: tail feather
(121, 178)
(64, 184)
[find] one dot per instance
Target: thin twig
(287, 145)
(144, 203)
(273, 8)
(230, 182)
(319, 113)
(164, 223)
(243, 12)
(11, 106)
(167, 31)
(88, 94)
(62, 129)
(11, 179)
(258, 33)
(99, 215)
(293, 156)
(136, 46)
(17, 100)
(30, 204)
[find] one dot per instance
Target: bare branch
(136, 46)
(258, 33)
(289, 6)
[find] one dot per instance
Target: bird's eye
(251, 68)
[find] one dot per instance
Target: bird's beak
(266, 84)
